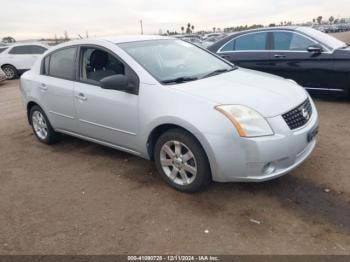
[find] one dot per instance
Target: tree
(331, 19)
(319, 20)
(214, 29)
(188, 29)
(314, 20)
(272, 25)
(192, 27)
(182, 29)
(8, 40)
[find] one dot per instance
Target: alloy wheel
(178, 162)
(39, 124)
(9, 72)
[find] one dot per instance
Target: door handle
(81, 97)
(280, 56)
(43, 87)
(225, 56)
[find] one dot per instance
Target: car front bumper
(262, 158)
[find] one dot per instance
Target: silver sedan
(200, 118)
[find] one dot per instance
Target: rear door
(291, 59)
(248, 50)
(57, 88)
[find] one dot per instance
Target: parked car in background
(212, 39)
(315, 60)
(199, 117)
(2, 76)
(206, 36)
(18, 58)
(191, 38)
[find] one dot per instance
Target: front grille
(299, 116)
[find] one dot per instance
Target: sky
(34, 19)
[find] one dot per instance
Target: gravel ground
(81, 198)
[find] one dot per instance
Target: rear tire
(41, 126)
(181, 161)
(10, 72)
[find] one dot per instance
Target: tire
(10, 71)
(41, 126)
(181, 161)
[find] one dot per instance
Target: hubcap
(178, 162)
(9, 72)
(39, 124)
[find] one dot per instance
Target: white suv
(18, 58)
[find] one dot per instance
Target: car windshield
(324, 38)
(175, 61)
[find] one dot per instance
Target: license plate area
(312, 134)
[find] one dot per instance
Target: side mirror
(316, 49)
(116, 82)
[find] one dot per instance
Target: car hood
(267, 94)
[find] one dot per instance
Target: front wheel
(10, 72)
(181, 161)
(42, 127)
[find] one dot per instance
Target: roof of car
(24, 43)
(267, 29)
(132, 38)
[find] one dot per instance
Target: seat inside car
(101, 65)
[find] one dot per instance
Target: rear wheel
(181, 161)
(10, 72)
(42, 127)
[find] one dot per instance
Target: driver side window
(96, 64)
(290, 41)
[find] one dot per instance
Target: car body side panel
(307, 69)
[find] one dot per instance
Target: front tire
(41, 126)
(10, 72)
(181, 161)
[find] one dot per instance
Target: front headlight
(248, 122)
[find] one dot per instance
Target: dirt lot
(80, 198)
(344, 36)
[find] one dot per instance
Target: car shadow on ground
(296, 193)
(300, 194)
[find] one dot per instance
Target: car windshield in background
(326, 39)
(175, 61)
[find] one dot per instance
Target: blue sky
(25, 19)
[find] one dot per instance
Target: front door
(105, 115)
(290, 59)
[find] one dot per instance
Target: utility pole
(141, 27)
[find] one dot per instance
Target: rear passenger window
(62, 63)
(20, 50)
(249, 42)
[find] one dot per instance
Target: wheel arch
(8, 64)
(29, 106)
(159, 129)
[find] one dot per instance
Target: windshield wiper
(217, 72)
(179, 80)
